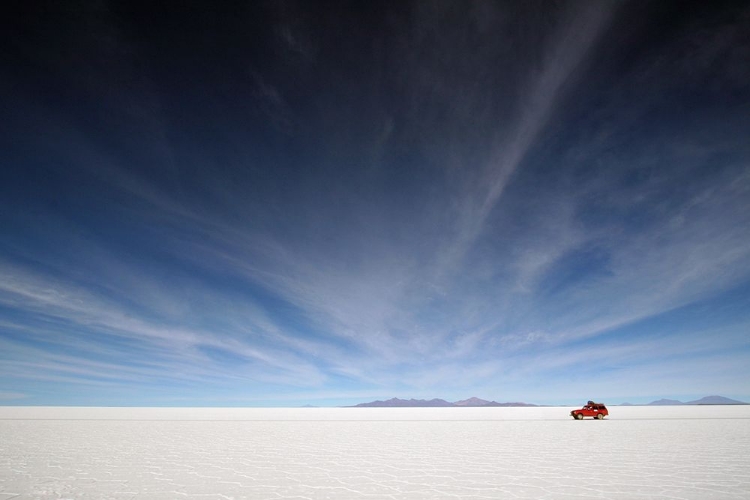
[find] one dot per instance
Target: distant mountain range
(436, 403)
(708, 400)
(475, 402)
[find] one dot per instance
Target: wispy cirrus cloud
(12, 396)
(567, 48)
(173, 347)
(482, 197)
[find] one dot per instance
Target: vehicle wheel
(600, 416)
(579, 416)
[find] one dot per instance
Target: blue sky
(298, 203)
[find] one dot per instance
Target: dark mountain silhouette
(666, 402)
(708, 400)
(406, 403)
(472, 402)
(475, 402)
(715, 400)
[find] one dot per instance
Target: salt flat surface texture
(389, 453)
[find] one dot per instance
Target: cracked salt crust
(349, 453)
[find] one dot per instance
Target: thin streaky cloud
(567, 50)
(440, 200)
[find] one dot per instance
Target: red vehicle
(595, 410)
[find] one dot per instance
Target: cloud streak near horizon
(430, 200)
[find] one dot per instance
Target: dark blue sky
(285, 203)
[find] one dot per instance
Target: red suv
(595, 410)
